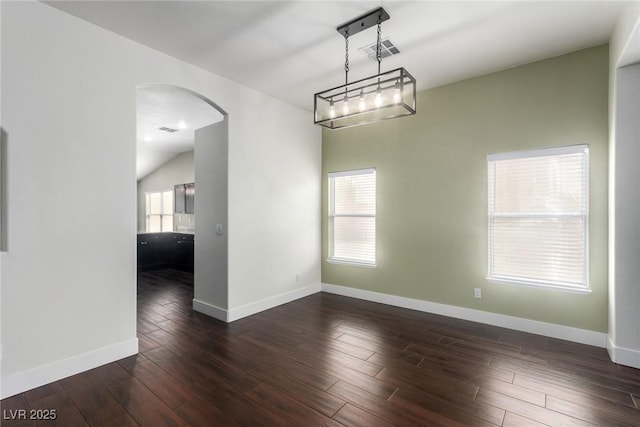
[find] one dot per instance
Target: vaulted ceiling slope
(291, 49)
(166, 119)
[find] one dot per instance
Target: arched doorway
(182, 142)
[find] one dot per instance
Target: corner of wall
(623, 316)
(271, 302)
(211, 310)
(623, 356)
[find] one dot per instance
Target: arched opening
(181, 167)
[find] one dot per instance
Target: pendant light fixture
(379, 97)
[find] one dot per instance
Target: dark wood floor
(330, 360)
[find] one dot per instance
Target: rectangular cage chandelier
(379, 97)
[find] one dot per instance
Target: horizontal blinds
(538, 210)
(352, 222)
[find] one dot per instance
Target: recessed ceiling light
(147, 138)
(182, 125)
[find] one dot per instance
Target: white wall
(211, 295)
(624, 193)
(2, 196)
(69, 272)
(178, 170)
(625, 288)
(274, 204)
(68, 277)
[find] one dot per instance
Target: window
(538, 217)
(352, 217)
(159, 209)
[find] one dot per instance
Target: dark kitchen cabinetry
(165, 250)
(153, 249)
(184, 195)
(181, 252)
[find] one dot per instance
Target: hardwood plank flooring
(327, 360)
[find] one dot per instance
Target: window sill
(351, 263)
(538, 285)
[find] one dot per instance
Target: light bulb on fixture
(332, 110)
(378, 99)
(362, 105)
(397, 95)
(345, 105)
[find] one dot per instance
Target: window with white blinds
(352, 217)
(538, 217)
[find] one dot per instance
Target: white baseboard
(623, 356)
(274, 301)
(254, 307)
(36, 377)
(598, 339)
(211, 310)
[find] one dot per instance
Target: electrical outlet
(477, 292)
(297, 277)
(219, 229)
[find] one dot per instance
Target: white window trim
(346, 261)
(537, 284)
(543, 152)
(342, 261)
(542, 284)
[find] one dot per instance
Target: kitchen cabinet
(190, 197)
(179, 198)
(184, 195)
(165, 250)
(181, 252)
(152, 251)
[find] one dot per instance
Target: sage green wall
(432, 185)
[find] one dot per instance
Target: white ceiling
(162, 106)
(291, 49)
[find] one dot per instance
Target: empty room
(304, 213)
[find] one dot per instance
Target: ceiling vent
(387, 49)
(166, 129)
